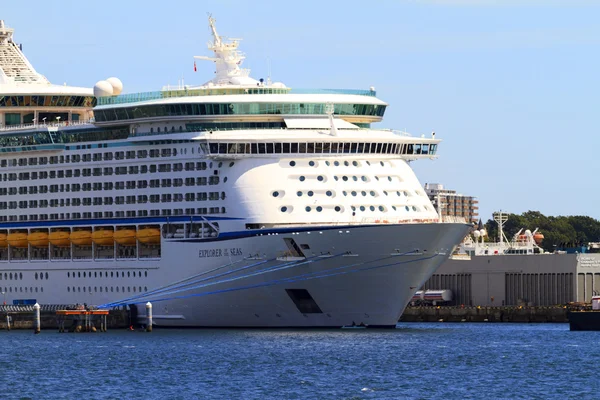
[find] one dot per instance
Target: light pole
(58, 120)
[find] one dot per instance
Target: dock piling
(148, 317)
(37, 320)
(7, 322)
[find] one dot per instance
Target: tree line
(560, 231)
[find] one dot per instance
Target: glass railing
(166, 94)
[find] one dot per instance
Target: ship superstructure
(235, 203)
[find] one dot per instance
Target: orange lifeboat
(3, 241)
(538, 237)
(38, 239)
(60, 238)
(149, 236)
(125, 237)
(18, 239)
(103, 237)
(81, 238)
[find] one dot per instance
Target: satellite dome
(116, 84)
(103, 89)
(528, 233)
(476, 234)
(483, 232)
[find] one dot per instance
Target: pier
(487, 314)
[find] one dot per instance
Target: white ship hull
(363, 274)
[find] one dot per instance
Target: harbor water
(414, 361)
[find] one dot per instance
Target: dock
(557, 313)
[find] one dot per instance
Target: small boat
(38, 239)
(125, 237)
(103, 237)
(18, 240)
(60, 238)
(82, 238)
(149, 235)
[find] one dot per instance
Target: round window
(381, 208)
(328, 193)
(337, 208)
(275, 194)
(311, 163)
(327, 163)
(320, 178)
(319, 208)
(336, 163)
(310, 193)
(345, 178)
(355, 163)
(372, 193)
(292, 163)
(362, 208)
(299, 194)
(346, 163)
(372, 208)
(302, 178)
(307, 209)
(283, 209)
(353, 193)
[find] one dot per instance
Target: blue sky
(510, 86)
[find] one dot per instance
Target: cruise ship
(235, 203)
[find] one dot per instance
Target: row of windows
(362, 208)
(115, 214)
(47, 101)
(323, 148)
(192, 109)
(83, 289)
(22, 289)
(97, 274)
(120, 185)
(61, 137)
(107, 156)
(107, 201)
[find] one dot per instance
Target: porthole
(372, 208)
(21, 275)
(224, 179)
(376, 178)
(275, 194)
(362, 208)
(36, 275)
(345, 178)
(311, 163)
(320, 178)
(292, 163)
(337, 208)
(84, 274)
(128, 275)
(319, 209)
(382, 164)
(345, 193)
(220, 165)
(327, 163)
(353, 193)
(381, 208)
(354, 178)
(414, 208)
(68, 288)
(384, 192)
(355, 163)
(394, 208)
(372, 193)
(310, 193)
(46, 276)
(146, 274)
(405, 193)
(399, 194)
(406, 208)
(353, 208)
(307, 209)
(329, 193)
(299, 193)
(364, 178)
(336, 163)
(336, 178)
(346, 163)
(231, 164)
(389, 178)
(363, 193)
(368, 162)
(283, 209)
(302, 179)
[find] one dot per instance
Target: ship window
(284, 209)
(319, 208)
(337, 208)
(302, 179)
(292, 163)
(307, 208)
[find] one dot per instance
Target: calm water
(420, 361)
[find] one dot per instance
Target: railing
(216, 91)
(11, 128)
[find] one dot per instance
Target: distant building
(453, 204)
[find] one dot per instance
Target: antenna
(268, 71)
(500, 219)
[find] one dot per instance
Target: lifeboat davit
(38, 239)
(81, 238)
(60, 239)
(18, 239)
(125, 237)
(103, 237)
(149, 236)
(3, 241)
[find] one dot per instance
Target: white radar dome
(528, 233)
(483, 232)
(476, 234)
(103, 89)
(116, 84)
